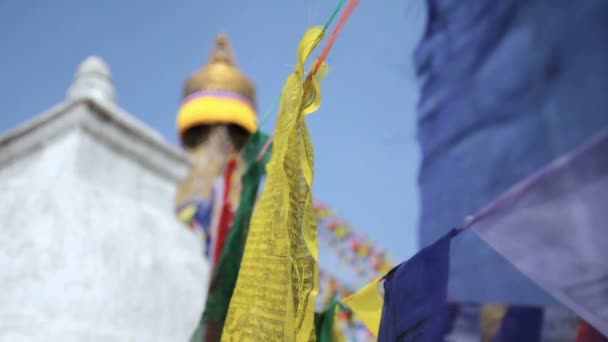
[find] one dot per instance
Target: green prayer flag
(324, 323)
(226, 271)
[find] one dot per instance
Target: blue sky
(364, 135)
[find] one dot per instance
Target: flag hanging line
(269, 112)
(352, 4)
(265, 148)
(348, 11)
(278, 99)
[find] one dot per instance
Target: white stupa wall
(90, 249)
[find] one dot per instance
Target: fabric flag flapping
(521, 323)
(414, 305)
(274, 297)
(326, 324)
(415, 295)
(501, 323)
(587, 333)
(554, 228)
(367, 304)
(226, 215)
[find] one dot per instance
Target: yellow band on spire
(212, 108)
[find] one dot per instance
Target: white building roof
(90, 248)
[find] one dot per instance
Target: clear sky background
(364, 135)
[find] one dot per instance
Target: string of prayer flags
(274, 297)
(224, 277)
(353, 248)
(552, 227)
(330, 286)
(568, 193)
(413, 305)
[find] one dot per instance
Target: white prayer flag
(553, 227)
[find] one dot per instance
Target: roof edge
(56, 119)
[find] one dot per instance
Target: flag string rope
(352, 4)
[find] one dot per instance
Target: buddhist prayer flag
(367, 305)
(415, 296)
(503, 323)
(587, 333)
(521, 88)
(274, 298)
(414, 304)
(200, 196)
(326, 325)
(226, 215)
(473, 322)
(197, 214)
(225, 273)
(521, 324)
(554, 228)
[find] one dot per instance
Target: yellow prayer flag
(386, 267)
(363, 251)
(341, 231)
(187, 214)
(367, 305)
(274, 297)
(491, 319)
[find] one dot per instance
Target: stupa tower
(216, 117)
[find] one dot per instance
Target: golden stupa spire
(221, 93)
(222, 53)
(221, 73)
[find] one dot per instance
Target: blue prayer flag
(506, 87)
(415, 296)
(521, 323)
